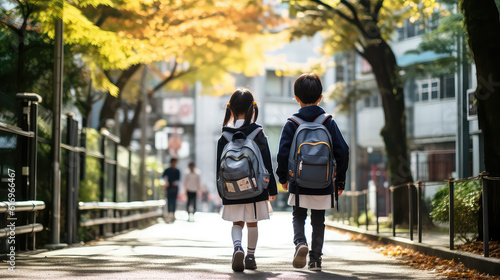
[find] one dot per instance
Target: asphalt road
(203, 250)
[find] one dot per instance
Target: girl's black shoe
(315, 265)
(250, 262)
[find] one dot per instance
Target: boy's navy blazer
(261, 141)
(340, 149)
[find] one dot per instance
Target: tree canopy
(211, 37)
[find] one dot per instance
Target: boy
(308, 93)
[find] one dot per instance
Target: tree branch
(377, 9)
(11, 26)
(339, 13)
(21, 6)
(126, 75)
(164, 81)
(366, 4)
(354, 12)
(360, 52)
(169, 78)
(101, 19)
(361, 44)
(354, 20)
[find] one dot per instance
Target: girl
(242, 111)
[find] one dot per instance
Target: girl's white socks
(253, 235)
(236, 234)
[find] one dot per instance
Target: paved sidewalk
(203, 250)
(433, 244)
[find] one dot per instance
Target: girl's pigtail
(227, 117)
(248, 115)
(256, 110)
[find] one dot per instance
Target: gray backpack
(311, 162)
(242, 173)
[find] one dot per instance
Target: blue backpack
(242, 173)
(311, 162)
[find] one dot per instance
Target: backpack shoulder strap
(228, 135)
(322, 118)
(297, 120)
(254, 133)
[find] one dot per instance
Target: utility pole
(462, 138)
(142, 151)
(353, 121)
(56, 137)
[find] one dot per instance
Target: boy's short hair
(172, 160)
(308, 88)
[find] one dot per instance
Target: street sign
(471, 106)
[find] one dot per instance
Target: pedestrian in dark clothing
(172, 175)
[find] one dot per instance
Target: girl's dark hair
(241, 102)
(308, 88)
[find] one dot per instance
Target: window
(279, 86)
(434, 22)
(434, 90)
(273, 84)
(367, 102)
(339, 73)
(372, 101)
(410, 29)
(425, 91)
(417, 28)
(420, 27)
(449, 86)
(428, 89)
(375, 100)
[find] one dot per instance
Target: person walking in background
(192, 184)
(172, 176)
(239, 123)
(306, 168)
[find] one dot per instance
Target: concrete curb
(472, 261)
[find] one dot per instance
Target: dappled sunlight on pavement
(203, 250)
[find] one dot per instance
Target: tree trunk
(385, 69)
(127, 128)
(109, 109)
(21, 59)
(483, 26)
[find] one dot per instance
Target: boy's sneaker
(315, 265)
(300, 257)
(250, 262)
(238, 256)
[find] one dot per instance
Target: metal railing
(115, 217)
(17, 212)
(346, 210)
(415, 207)
(451, 183)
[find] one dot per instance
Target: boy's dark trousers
(191, 201)
(318, 230)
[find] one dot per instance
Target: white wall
(370, 122)
(434, 119)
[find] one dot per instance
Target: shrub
(466, 209)
(371, 218)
